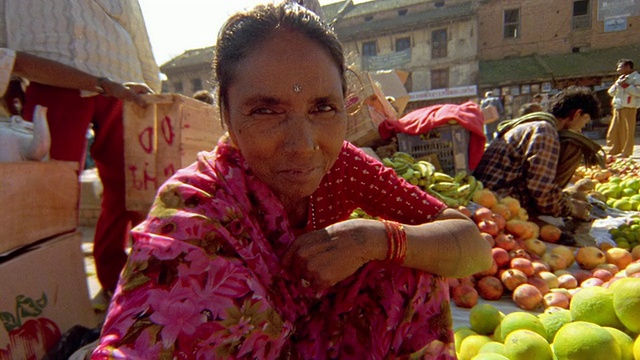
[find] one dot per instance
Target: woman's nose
(301, 135)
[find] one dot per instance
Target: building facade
(189, 72)
(543, 46)
(455, 50)
(433, 41)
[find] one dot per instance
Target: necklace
(313, 213)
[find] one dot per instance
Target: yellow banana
(430, 167)
(472, 181)
(400, 168)
(387, 162)
(403, 155)
(464, 190)
(408, 174)
(442, 177)
(444, 186)
(459, 176)
(421, 171)
(414, 181)
(473, 185)
(451, 202)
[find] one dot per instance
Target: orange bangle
(397, 240)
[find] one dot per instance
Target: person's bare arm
(53, 73)
(450, 246)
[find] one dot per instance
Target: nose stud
(316, 147)
(297, 88)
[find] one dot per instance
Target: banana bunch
(452, 190)
(417, 173)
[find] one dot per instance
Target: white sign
(615, 8)
(462, 91)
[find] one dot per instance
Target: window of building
(177, 86)
(369, 48)
(439, 79)
(403, 43)
(165, 87)
(402, 12)
(512, 23)
(581, 15)
(439, 43)
(196, 84)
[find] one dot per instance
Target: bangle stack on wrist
(397, 239)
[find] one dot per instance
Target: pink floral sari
(204, 281)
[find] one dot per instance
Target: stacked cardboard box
(42, 276)
(162, 138)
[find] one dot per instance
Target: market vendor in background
(625, 100)
(524, 161)
(491, 127)
(250, 253)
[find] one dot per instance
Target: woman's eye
(263, 111)
(324, 108)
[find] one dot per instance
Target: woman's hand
(324, 257)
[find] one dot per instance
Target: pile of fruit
(618, 185)
(528, 266)
(627, 235)
(452, 190)
(602, 323)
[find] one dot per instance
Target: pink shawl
(204, 281)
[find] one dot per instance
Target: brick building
(531, 46)
(455, 50)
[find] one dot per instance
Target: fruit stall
(556, 290)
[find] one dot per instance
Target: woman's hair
(564, 103)
(245, 31)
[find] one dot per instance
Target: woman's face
(286, 113)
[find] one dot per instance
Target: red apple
(512, 278)
(527, 296)
(490, 288)
(464, 295)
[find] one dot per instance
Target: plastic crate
(449, 143)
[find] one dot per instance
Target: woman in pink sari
(249, 252)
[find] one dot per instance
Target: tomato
(32, 340)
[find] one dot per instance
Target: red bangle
(397, 240)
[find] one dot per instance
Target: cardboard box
(37, 200)
(367, 109)
(163, 138)
(44, 294)
(391, 82)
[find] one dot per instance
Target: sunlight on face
(286, 113)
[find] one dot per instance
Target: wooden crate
(38, 200)
(163, 138)
(44, 294)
